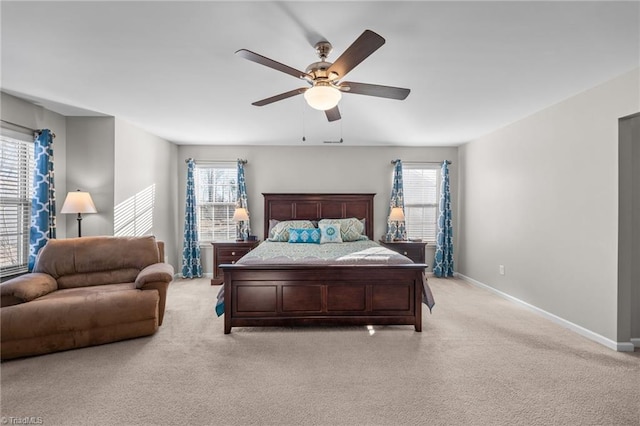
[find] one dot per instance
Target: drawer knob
(405, 253)
(233, 261)
(233, 253)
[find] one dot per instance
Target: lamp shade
(78, 202)
(322, 97)
(397, 214)
(240, 215)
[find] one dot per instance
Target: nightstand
(228, 252)
(412, 249)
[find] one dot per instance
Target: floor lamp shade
(78, 202)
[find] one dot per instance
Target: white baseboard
(616, 346)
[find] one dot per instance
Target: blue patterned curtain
(396, 230)
(191, 266)
(43, 203)
(443, 264)
(244, 230)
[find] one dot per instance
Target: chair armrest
(158, 272)
(156, 277)
(26, 287)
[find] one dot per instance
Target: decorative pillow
(304, 235)
(272, 224)
(280, 232)
(351, 229)
(329, 233)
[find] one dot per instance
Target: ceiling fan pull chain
(303, 123)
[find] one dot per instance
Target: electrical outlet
(501, 269)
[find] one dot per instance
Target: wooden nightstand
(412, 249)
(228, 252)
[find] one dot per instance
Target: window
(16, 180)
(421, 185)
(216, 194)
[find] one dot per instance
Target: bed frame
(292, 295)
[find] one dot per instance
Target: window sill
(12, 276)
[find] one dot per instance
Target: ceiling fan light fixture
(322, 97)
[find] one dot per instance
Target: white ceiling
(170, 68)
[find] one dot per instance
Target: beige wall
(90, 167)
(315, 169)
(541, 198)
(629, 229)
(117, 162)
(145, 175)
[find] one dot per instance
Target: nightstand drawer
(413, 250)
(227, 260)
(228, 252)
(413, 253)
(234, 252)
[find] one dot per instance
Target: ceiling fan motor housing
(318, 70)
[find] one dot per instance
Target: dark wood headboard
(318, 206)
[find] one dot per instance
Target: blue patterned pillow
(329, 233)
(304, 236)
(280, 232)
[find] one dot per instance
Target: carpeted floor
(480, 360)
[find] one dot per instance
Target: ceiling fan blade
(333, 114)
(365, 45)
(374, 90)
(279, 97)
(263, 60)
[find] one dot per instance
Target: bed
(283, 292)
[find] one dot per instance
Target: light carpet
(480, 360)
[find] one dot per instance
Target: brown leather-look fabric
(97, 278)
(25, 288)
(78, 317)
(155, 272)
(96, 255)
(156, 277)
(160, 251)
(77, 339)
(85, 291)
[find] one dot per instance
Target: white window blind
(216, 195)
(16, 181)
(421, 192)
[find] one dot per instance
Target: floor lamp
(78, 202)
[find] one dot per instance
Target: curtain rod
(38, 131)
(217, 161)
(420, 162)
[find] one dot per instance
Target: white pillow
(329, 233)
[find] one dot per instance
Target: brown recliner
(82, 292)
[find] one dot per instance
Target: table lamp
(240, 215)
(396, 215)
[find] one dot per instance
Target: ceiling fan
(325, 77)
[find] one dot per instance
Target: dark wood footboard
(285, 295)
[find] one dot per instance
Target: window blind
(16, 180)
(216, 196)
(421, 187)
